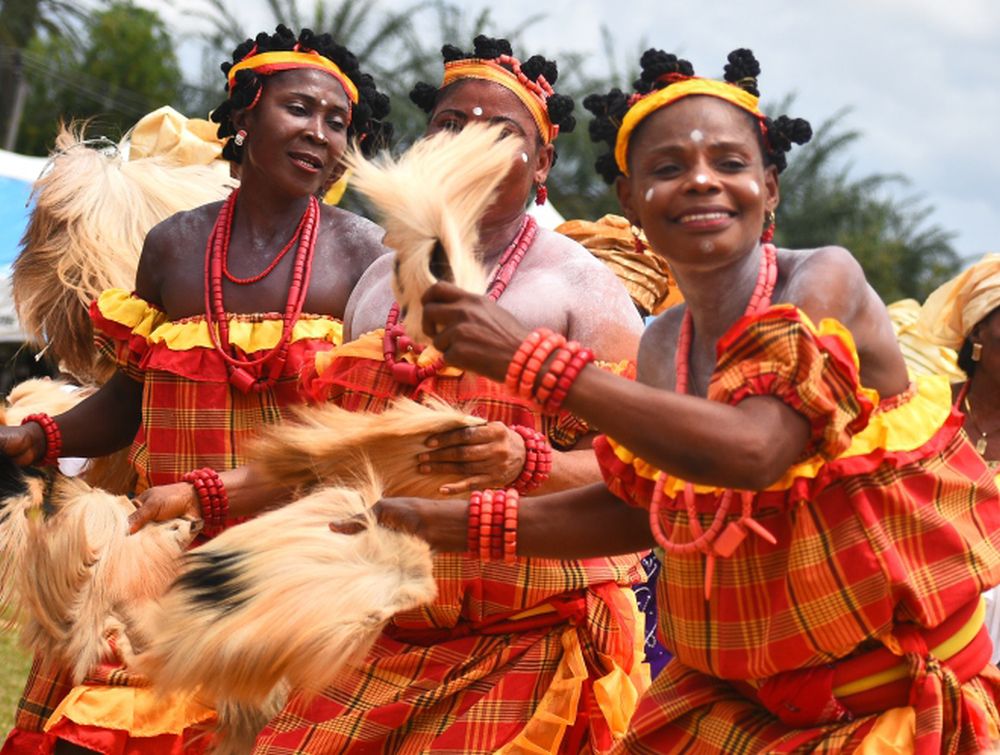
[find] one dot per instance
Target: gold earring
(977, 352)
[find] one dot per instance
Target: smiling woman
(826, 528)
(230, 301)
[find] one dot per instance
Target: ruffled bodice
(191, 415)
(888, 517)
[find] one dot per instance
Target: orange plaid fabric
(890, 523)
(191, 418)
(469, 692)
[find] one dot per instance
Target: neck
(494, 238)
(717, 296)
(984, 395)
(268, 214)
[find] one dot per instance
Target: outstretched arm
(683, 435)
(581, 523)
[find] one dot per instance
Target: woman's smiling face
(698, 185)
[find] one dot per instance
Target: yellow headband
(284, 60)
(663, 97)
(487, 70)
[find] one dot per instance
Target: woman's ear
(623, 188)
(772, 192)
(543, 163)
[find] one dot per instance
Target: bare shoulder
(657, 347)
(354, 235)
(824, 282)
(170, 243)
(599, 311)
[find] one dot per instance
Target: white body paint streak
(755, 188)
(649, 193)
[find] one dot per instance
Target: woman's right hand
(24, 444)
(163, 503)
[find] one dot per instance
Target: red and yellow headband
(284, 60)
(680, 88)
(533, 94)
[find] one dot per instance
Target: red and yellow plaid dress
(861, 628)
(191, 418)
(536, 656)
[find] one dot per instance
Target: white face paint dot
(697, 136)
(524, 157)
(707, 246)
(701, 178)
(755, 188)
(477, 111)
(649, 193)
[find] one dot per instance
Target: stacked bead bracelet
(493, 524)
(213, 498)
(53, 437)
(549, 388)
(537, 459)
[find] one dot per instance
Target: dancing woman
(826, 528)
(229, 301)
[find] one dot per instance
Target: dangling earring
(977, 352)
(541, 194)
(769, 219)
(241, 136)
(639, 239)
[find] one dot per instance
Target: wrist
(44, 437)
(537, 460)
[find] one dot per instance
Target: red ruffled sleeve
(814, 371)
(123, 323)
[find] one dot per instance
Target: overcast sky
(922, 76)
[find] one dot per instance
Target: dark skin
(491, 455)
(296, 136)
(984, 386)
(699, 187)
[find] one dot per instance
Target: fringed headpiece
(665, 79)
(531, 82)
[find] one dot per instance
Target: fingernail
(432, 443)
(424, 469)
(423, 457)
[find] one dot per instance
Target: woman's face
(297, 132)
(475, 101)
(698, 186)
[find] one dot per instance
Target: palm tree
(20, 22)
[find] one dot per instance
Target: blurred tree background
(113, 61)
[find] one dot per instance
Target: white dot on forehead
(754, 187)
(649, 193)
(524, 157)
(477, 111)
(697, 136)
(701, 178)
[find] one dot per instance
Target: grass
(14, 665)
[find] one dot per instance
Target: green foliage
(122, 66)
(822, 202)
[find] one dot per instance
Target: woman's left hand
(471, 331)
(488, 456)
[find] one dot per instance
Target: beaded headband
(533, 94)
(680, 86)
(284, 60)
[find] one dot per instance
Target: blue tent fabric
(14, 197)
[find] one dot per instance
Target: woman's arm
(748, 446)
(579, 523)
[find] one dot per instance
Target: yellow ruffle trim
(249, 333)
(617, 694)
(136, 710)
(900, 429)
